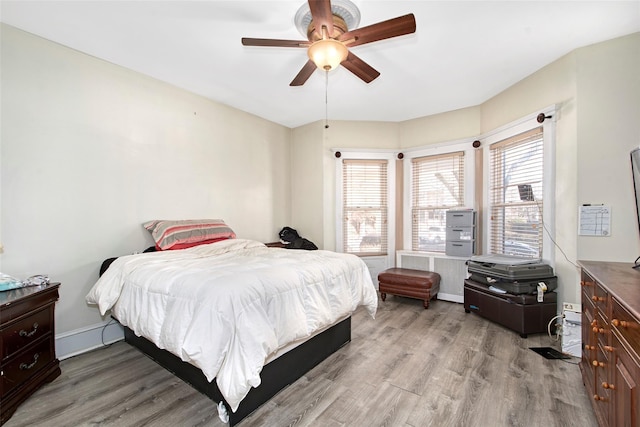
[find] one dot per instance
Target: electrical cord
(558, 337)
(544, 227)
(102, 333)
(549, 327)
(558, 246)
(569, 360)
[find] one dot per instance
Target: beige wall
(90, 150)
(449, 126)
(307, 200)
(608, 104)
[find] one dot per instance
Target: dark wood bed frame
(275, 376)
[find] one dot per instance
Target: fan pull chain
(326, 99)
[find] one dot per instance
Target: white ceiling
(463, 52)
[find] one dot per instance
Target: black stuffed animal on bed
(292, 240)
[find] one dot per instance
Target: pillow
(187, 233)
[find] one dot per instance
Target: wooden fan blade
(321, 15)
(275, 42)
(360, 68)
(382, 30)
(304, 74)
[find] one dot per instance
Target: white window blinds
(437, 185)
(516, 199)
(365, 206)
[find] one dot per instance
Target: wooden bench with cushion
(410, 283)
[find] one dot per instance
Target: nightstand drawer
(19, 368)
(27, 344)
(24, 332)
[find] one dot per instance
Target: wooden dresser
(610, 363)
(27, 344)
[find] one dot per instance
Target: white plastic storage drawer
(461, 218)
(464, 234)
(461, 249)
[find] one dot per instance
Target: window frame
(390, 157)
(465, 146)
(525, 124)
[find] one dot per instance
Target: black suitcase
(515, 286)
(512, 274)
(523, 299)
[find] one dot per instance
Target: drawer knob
(608, 348)
(607, 385)
(25, 367)
(585, 283)
(600, 398)
(26, 334)
(596, 299)
(619, 323)
(594, 322)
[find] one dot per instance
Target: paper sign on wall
(595, 220)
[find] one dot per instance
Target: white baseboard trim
(89, 338)
(451, 297)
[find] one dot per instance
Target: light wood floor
(408, 367)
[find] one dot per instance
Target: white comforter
(227, 306)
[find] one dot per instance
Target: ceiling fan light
(327, 54)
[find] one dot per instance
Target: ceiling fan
(330, 36)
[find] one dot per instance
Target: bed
(237, 320)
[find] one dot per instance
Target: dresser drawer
(19, 368)
(588, 286)
(17, 335)
(460, 218)
(602, 395)
(602, 330)
(457, 234)
(589, 337)
(626, 326)
(601, 300)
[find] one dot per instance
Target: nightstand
(27, 344)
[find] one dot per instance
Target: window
(516, 194)
(365, 206)
(437, 185)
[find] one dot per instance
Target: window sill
(429, 254)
